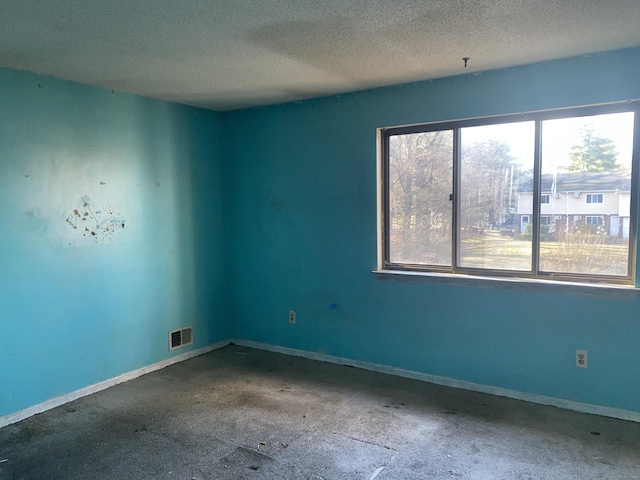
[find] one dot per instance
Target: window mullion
(455, 197)
(633, 222)
(386, 208)
(537, 175)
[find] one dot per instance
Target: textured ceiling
(232, 54)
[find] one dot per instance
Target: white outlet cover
(582, 358)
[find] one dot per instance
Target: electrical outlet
(582, 358)
(292, 316)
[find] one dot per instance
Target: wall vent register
(180, 338)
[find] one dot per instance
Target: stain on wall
(97, 223)
(276, 202)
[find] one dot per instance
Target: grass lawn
(584, 255)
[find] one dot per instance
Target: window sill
(506, 283)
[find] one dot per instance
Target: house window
(464, 197)
(595, 221)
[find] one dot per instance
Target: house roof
(582, 182)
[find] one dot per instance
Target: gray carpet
(239, 413)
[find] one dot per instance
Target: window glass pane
(586, 170)
(420, 209)
(496, 200)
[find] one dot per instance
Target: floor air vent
(180, 338)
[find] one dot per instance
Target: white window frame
(545, 198)
(588, 220)
(598, 197)
(384, 242)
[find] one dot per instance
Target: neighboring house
(570, 201)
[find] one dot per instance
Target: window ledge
(521, 284)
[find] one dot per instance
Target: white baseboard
(125, 377)
(446, 381)
(452, 382)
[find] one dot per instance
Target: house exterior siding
(570, 210)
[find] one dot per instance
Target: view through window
(479, 197)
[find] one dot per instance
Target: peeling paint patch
(98, 224)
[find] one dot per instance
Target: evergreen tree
(594, 154)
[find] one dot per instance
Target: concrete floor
(239, 413)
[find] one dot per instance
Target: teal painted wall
(294, 228)
(302, 205)
(75, 307)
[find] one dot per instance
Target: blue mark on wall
(276, 202)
